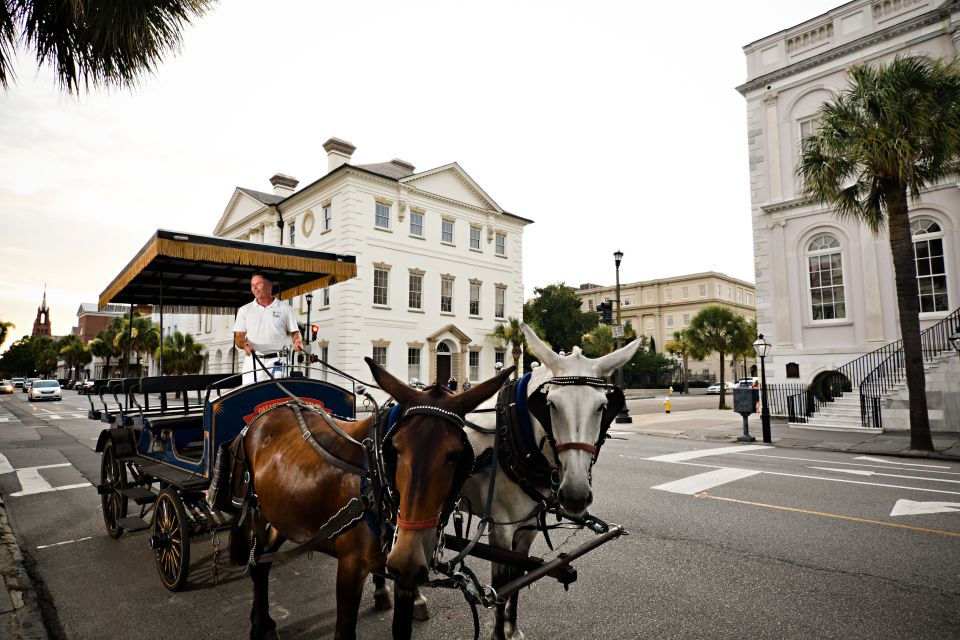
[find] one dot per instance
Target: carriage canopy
(191, 273)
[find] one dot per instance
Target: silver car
(44, 390)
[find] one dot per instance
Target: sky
(612, 125)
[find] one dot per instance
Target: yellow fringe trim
(333, 271)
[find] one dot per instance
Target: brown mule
(298, 491)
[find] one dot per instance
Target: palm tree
(715, 329)
(181, 354)
(510, 333)
(894, 131)
(598, 342)
(144, 337)
(743, 348)
(5, 329)
(94, 43)
(75, 353)
(681, 346)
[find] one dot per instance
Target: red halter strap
(415, 525)
(583, 446)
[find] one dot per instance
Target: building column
(773, 148)
(871, 286)
(779, 296)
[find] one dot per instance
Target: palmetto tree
(181, 354)
(715, 329)
(510, 333)
(144, 337)
(75, 353)
(683, 347)
(5, 329)
(894, 131)
(92, 43)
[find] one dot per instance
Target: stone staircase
(942, 375)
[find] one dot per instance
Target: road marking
(5, 465)
(913, 508)
(704, 453)
(855, 464)
(703, 481)
(864, 472)
(55, 417)
(836, 516)
(5, 419)
(912, 464)
(59, 544)
(31, 482)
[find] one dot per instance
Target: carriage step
(140, 495)
(133, 523)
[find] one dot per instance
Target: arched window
(825, 268)
(931, 271)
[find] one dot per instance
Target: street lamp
(762, 348)
(624, 416)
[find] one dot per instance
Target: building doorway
(444, 363)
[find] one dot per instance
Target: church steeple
(41, 326)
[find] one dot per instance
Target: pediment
(453, 183)
(449, 331)
(240, 206)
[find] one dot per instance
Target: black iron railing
(778, 396)
(933, 342)
(871, 374)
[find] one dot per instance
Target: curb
(20, 617)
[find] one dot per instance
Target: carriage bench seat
(183, 385)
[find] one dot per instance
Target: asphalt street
(725, 541)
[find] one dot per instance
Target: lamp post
(309, 337)
(624, 416)
(762, 348)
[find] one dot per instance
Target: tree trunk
(686, 375)
(517, 352)
(908, 306)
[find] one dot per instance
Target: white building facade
(825, 287)
(439, 264)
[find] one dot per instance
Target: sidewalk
(20, 617)
(726, 426)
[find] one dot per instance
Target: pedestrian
(452, 384)
(756, 395)
(466, 386)
(266, 327)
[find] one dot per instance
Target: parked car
(44, 390)
(714, 389)
(83, 387)
(6, 386)
(17, 383)
(748, 383)
(28, 383)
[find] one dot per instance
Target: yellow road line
(837, 516)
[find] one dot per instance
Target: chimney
(404, 165)
(283, 185)
(338, 152)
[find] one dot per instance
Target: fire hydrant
(666, 405)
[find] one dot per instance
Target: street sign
(617, 330)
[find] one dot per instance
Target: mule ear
(470, 400)
(538, 348)
(607, 364)
(397, 389)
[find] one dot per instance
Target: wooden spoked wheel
(170, 539)
(113, 480)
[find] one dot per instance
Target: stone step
(826, 424)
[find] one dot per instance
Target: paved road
(726, 542)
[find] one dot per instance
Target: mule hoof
(420, 611)
(382, 600)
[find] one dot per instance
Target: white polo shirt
(267, 328)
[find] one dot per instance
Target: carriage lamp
(762, 348)
(954, 340)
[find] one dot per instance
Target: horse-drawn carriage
(313, 473)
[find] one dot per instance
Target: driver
(265, 326)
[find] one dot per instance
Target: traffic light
(314, 329)
(605, 309)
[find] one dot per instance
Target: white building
(439, 263)
(825, 287)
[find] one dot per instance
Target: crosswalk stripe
(704, 453)
(703, 481)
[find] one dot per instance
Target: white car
(714, 389)
(44, 390)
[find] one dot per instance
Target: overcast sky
(612, 125)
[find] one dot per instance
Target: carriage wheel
(170, 539)
(113, 474)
